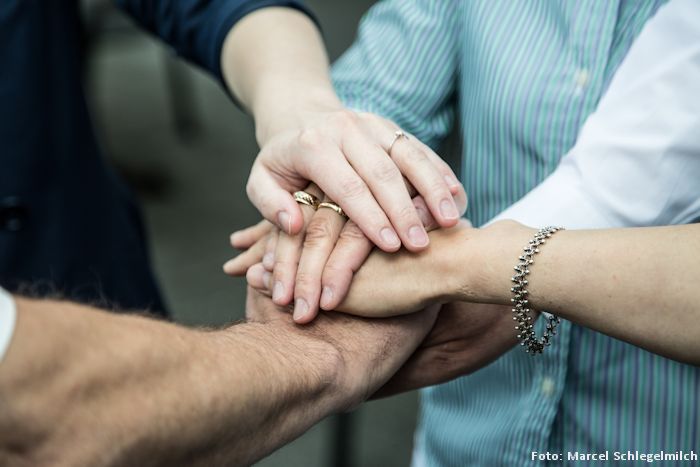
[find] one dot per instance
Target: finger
(424, 175)
(270, 246)
(244, 239)
(351, 250)
(321, 235)
(240, 264)
(258, 278)
(385, 181)
(339, 180)
(456, 187)
(287, 256)
(274, 203)
(424, 214)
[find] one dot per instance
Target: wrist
(487, 260)
(296, 109)
(296, 363)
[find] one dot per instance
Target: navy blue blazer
(68, 225)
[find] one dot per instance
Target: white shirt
(637, 158)
(7, 320)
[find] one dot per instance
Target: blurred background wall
(187, 150)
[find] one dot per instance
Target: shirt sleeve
(637, 159)
(7, 321)
(403, 66)
(196, 29)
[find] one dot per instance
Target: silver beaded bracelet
(521, 310)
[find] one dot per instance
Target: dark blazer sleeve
(196, 29)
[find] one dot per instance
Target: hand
(323, 259)
(369, 351)
(347, 155)
(465, 338)
(403, 282)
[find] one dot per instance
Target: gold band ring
(308, 199)
(397, 136)
(333, 206)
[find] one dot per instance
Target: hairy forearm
(83, 387)
(274, 61)
(633, 284)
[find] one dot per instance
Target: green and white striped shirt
(524, 76)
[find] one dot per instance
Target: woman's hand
(318, 264)
(398, 283)
(350, 157)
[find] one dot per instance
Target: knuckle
(352, 233)
(352, 187)
(306, 281)
(414, 155)
(406, 213)
(250, 188)
(336, 273)
(284, 266)
(346, 118)
(310, 139)
(437, 188)
(317, 233)
(385, 171)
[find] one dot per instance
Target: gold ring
(308, 199)
(397, 136)
(333, 206)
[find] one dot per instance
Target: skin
(614, 281)
(317, 265)
(274, 62)
(101, 389)
(134, 391)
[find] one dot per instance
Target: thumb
(275, 203)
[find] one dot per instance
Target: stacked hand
(316, 266)
(393, 187)
(306, 256)
(465, 336)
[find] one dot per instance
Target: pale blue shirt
(523, 77)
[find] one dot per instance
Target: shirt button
(547, 386)
(13, 214)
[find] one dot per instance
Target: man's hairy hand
(370, 350)
(465, 338)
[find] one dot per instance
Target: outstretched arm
(271, 57)
(635, 284)
(82, 387)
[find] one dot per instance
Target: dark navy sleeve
(196, 29)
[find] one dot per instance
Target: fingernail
(448, 209)
(451, 181)
(284, 221)
(234, 236)
(300, 309)
(418, 236)
(269, 261)
(390, 237)
(277, 291)
(228, 265)
(326, 297)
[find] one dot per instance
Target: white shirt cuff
(8, 317)
(561, 200)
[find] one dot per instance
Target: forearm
(275, 63)
(134, 391)
(633, 284)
